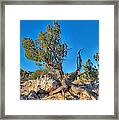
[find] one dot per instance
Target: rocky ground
(69, 88)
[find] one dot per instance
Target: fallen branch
(57, 90)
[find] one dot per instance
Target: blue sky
(76, 33)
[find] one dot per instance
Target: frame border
(2, 60)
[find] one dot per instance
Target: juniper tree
(47, 51)
(91, 70)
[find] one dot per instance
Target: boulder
(32, 95)
(42, 93)
(76, 81)
(68, 96)
(23, 97)
(84, 95)
(49, 84)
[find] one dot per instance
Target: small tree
(47, 50)
(91, 70)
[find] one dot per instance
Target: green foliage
(37, 74)
(91, 71)
(34, 75)
(47, 50)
